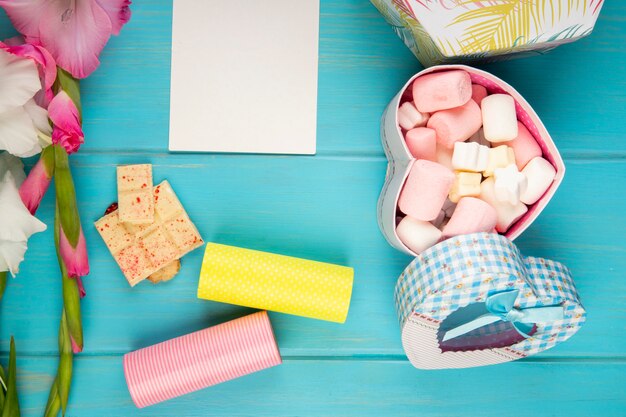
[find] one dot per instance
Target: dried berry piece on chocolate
(111, 208)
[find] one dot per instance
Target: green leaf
(54, 402)
(11, 404)
(64, 374)
(70, 85)
(66, 196)
(3, 283)
(71, 295)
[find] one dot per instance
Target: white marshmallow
(466, 184)
(507, 213)
(409, 117)
(417, 235)
(509, 184)
(479, 138)
(499, 157)
(499, 118)
(540, 174)
(470, 156)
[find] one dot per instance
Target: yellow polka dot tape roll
(275, 282)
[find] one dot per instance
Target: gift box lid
(446, 31)
(475, 300)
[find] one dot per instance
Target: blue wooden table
(324, 207)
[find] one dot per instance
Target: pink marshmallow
(471, 215)
(478, 93)
(422, 143)
(442, 90)
(456, 125)
(425, 190)
(524, 146)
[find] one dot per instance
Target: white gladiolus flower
(9, 163)
(16, 222)
(24, 126)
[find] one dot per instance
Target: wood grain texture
(362, 66)
(322, 387)
(319, 208)
(323, 208)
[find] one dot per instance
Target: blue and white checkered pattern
(468, 268)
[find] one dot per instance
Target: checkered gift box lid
(474, 300)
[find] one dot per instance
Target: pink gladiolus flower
(75, 347)
(67, 131)
(45, 63)
(75, 32)
(75, 259)
(35, 186)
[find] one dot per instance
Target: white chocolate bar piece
(141, 250)
(134, 194)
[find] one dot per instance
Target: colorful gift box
(464, 31)
(473, 299)
(401, 160)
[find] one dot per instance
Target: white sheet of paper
(244, 76)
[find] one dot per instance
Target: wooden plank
(318, 208)
(577, 89)
(349, 388)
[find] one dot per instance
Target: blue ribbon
(501, 308)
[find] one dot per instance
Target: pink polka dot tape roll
(198, 360)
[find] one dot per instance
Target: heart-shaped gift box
(401, 160)
(474, 300)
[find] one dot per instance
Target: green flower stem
(71, 294)
(66, 196)
(54, 402)
(70, 85)
(48, 159)
(60, 390)
(3, 283)
(64, 375)
(11, 406)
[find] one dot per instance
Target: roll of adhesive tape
(275, 282)
(201, 359)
